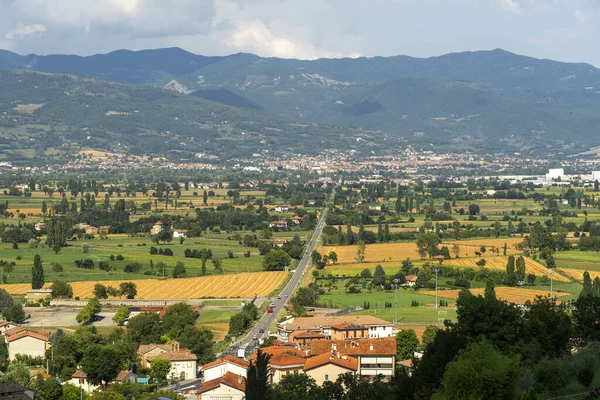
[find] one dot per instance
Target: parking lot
(63, 316)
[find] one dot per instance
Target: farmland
(244, 285)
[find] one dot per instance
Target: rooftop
(229, 379)
(361, 347)
(314, 323)
(227, 359)
(349, 363)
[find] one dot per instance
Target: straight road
(248, 343)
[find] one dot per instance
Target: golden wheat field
(577, 274)
(241, 285)
(399, 251)
(511, 294)
(499, 263)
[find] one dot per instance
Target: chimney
(371, 347)
(240, 379)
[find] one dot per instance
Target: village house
(183, 362)
(284, 360)
(5, 326)
(179, 233)
(220, 367)
(279, 224)
(304, 338)
(79, 379)
(27, 342)
(377, 328)
(349, 330)
(157, 228)
(125, 376)
(281, 209)
(40, 226)
(279, 242)
(297, 220)
(375, 356)
(92, 230)
(411, 280)
(327, 366)
(227, 387)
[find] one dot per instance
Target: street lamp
(396, 281)
(551, 272)
(521, 283)
(436, 270)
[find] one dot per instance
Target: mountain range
(484, 100)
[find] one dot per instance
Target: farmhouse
(183, 362)
(157, 228)
(297, 220)
(92, 230)
(282, 209)
(27, 342)
(279, 224)
(179, 233)
(40, 226)
(125, 376)
(279, 242)
(411, 280)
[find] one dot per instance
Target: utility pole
(396, 281)
(436, 270)
(551, 272)
(521, 283)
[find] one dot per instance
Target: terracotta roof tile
(286, 359)
(347, 362)
(79, 374)
(229, 379)
(176, 356)
(360, 347)
(228, 358)
(27, 333)
(315, 323)
(122, 375)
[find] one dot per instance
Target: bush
(167, 252)
(120, 257)
(85, 248)
(133, 267)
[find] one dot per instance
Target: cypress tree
(37, 273)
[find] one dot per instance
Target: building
(327, 366)
(304, 338)
(377, 328)
(183, 362)
(375, 356)
(5, 326)
(411, 280)
(179, 233)
(227, 387)
(282, 209)
(10, 390)
(40, 226)
(555, 173)
(279, 242)
(125, 376)
(157, 228)
(596, 175)
(279, 224)
(38, 295)
(27, 342)
(284, 360)
(220, 367)
(79, 379)
(297, 220)
(349, 330)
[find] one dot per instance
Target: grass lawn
(340, 299)
(413, 315)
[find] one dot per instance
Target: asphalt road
(248, 343)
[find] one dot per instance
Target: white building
(79, 379)
(555, 173)
(183, 362)
(179, 233)
(228, 387)
(29, 343)
(596, 175)
(378, 328)
(222, 366)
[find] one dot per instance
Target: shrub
(167, 252)
(133, 267)
(120, 257)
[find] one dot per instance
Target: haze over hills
(484, 100)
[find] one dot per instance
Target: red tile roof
(347, 362)
(122, 375)
(228, 358)
(34, 334)
(360, 347)
(229, 379)
(79, 374)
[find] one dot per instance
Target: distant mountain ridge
(485, 100)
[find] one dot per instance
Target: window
(326, 377)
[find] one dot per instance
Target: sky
(564, 30)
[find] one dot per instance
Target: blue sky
(565, 30)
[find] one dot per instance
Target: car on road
(254, 337)
(286, 295)
(278, 297)
(262, 331)
(310, 309)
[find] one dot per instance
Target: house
(375, 356)
(407, 365)
(27, 342)
(322, 324)
(10, 390)
(297, 220)
(220, 367)
(282, 209)
(92, 230)
(327, 366)
(79, 379)
(183, 362)
(411, 280)
(228, 387)
(179, 233)
(349, 330)
(157, 228)
(125, 376)
(40, 226)
(279, 224)
(304, 337)
(279, 242)
(284, 360)
(38, 295)
(5, 326)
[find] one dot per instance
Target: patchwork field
(241, 285)
(511, 294)
(499, 263)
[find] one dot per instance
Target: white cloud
(513, 6)
(25, 30)
(580, 15)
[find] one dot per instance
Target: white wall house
(222, 366)
(29, 343)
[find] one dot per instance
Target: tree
(520, 270)
(100, 291)
(160, 368)
(379, 275)
(360, 251)
(218, 264)
(205, 198)
(276, 260)
(511, 276)
(128, 289)
(17, 372)
(50, 390)
(92, 308)
(199, 341)
(59, 230)
(14, 313)
(427, 244)
(56, 267)
(257, 384)
(587, 288)
(474, 209)
(101, 363)
(421, 280)
(37, 273)
(406, 344)
(6, 300)
(456, 250)
(548, 327)
(496, 375)
(179, 270)
(145, 328)
(121, 315)
(177, 317)
(429, 336)
(61, 289)
(295, 386)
